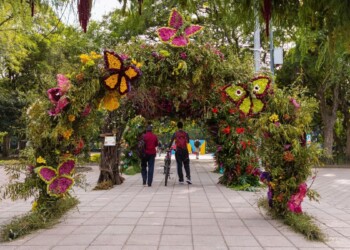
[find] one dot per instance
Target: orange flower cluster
(288, 156)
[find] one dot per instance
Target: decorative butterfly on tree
(59, 180)
(120, 75)
(178, 33)
(249, 98)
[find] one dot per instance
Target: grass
(300, 223)
(104, 185)
(9, 161)
(35, 220)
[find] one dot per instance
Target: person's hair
(180, 125)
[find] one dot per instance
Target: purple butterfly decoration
(178, 33)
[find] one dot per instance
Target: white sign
(110, 141)
(278, 55)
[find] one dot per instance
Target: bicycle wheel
(167, 172)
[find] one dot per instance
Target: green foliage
(283, 150)
(95, 157)
(41, 217)
(300, 223)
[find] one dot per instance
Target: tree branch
(6, 20)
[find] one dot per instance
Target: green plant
(301, 223)
(40, 218)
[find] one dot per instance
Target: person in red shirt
(151, 142)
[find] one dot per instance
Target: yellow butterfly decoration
(249, 98)
(119, 76)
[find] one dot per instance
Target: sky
(99, 8)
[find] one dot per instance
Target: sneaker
(189, 181)
(181, 182)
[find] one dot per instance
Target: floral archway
(181, 80)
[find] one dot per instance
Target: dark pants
(181, 156)
(148, 160)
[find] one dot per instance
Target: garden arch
(184, 80)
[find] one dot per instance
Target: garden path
(202, 216)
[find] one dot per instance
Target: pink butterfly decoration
(58, 181)
(178, 33)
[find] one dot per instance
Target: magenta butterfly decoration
(59, 180)
(178, 32)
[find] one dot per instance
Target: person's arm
(171, 141)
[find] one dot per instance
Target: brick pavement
(201, 216)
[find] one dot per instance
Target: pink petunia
(54, 95)
(63, 83)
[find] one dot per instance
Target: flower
(295, 103)
(294, 203)
(215, 110)
(288, 156)
(67, 134)
(110, 102)
(71, 118)
(226, 130)
(94, 55)
(63, 83)
(34, 205)
(274, 118)
(239, 130)
(54, 94)
(87, 110)
(183, 55)
(84, 58)
(79, 77)
(136, 63)
(41, 160)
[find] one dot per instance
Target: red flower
(215, 110)
(239, 130)
(232, 111)
(249, 169)
(226, 130)
(243, 144)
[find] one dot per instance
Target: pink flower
(47, 173)
(124, 56)
(63, 83)
(54, 95)
(183, 55)
(295, 103)
(294, 203)
(87, 110)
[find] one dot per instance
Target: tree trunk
(109, 165)
(347, 149)
(328, 110)
(6, 146)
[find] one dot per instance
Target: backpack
(181, 139)
(141, 147)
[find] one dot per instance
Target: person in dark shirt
(181, 139)
(151, 142)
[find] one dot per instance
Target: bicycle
(167, 164)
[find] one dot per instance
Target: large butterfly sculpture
(249, 97)
(59, 180)
(120, 76)
(178, 32)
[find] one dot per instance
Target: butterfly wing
(257, 106)
(111, 81)
(46, 173)
(261, 85)
(180, 41)
(235, 93)
(176, 20)
(132, 72)
(66, 167)
(245, 105)
(166, 34)
(192, 29)
(60, 185)
(113, 61)
(123, 85)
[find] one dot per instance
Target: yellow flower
(67, 134)
(94, 55)
(71, 118)
(110, 102)
(84, 58)
(136, 63)
(274, 118)
(272, 185)
(34, 205)
(41, 160)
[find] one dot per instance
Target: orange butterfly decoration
(120, 76)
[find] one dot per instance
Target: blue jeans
(148, 160)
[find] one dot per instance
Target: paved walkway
(201, 216)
